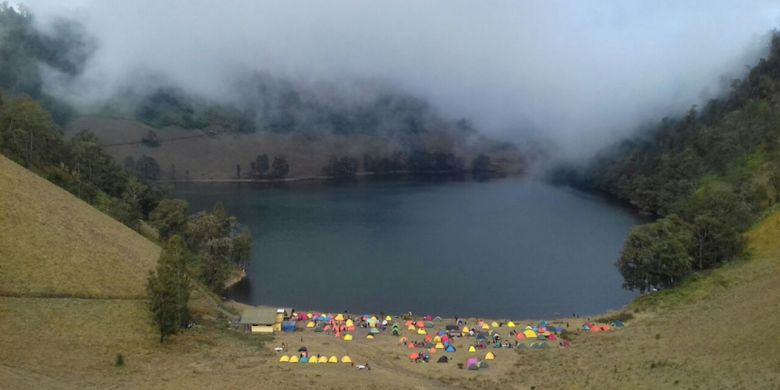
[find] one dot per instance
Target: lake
(504, 248)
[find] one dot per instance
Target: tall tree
(169, 289)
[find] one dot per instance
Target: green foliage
(119, 361)
(169, 218)
(343, 167)
(656, 254)
(259, 167)
(169, 289)
(716, 168)
(280, 168)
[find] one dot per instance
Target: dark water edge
(426, 225)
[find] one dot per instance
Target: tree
(482, 164)
(656, 254)
(29, 135)
(169, 289)
(216, 262)
(147, 168)
(169, 217)
(280, 168)
(343, 167)
(241, 249)
(259, 167)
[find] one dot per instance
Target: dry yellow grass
(52, 243)
(720, 331)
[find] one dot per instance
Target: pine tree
(169, 289)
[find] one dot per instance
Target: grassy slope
(721, 331)
(51, 243)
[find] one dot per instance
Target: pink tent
(472, 362)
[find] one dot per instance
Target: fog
(578, 73)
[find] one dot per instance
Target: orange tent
(420, 324)
(414, 356)
(519, 336)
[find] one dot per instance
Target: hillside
(53, 244)
(719, 330)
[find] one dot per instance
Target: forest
(706, 176)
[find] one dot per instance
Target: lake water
(512, 247)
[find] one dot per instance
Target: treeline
(208, 245)
(707, 175)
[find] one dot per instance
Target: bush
(120, 360)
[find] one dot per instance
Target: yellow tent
(472, 349)
(346, 359)
(333, 359)
(437, 339)
(485, 326)
(313, 360)
(309, 315)
(284, 358)
(323, 359)
(294, 359)
(349, 323)
(494, 324)
(370, 337)
(510, 324)
(339, 317)
(439, 346)
(374, 318)
(529, 334)
(490, 356)
(389, 318)
(410, 327)
(310, 324)
(421, 331)
(528, 327)
(347, 337)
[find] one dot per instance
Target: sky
(579, 72)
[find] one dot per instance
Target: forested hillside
(708, 174)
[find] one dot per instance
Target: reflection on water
(505, 247)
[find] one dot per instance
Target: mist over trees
(717, 168)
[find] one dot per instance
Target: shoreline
(329, 178)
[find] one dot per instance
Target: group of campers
(484, 335)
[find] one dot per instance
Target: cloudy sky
(578, 71)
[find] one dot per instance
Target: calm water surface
(510, 247)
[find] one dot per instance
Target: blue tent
(304, 359)
(450, 348)
(617, 324)
(288, 326)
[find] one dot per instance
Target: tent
(373, 331)
(370, 337)
(472, 349)
(294, 359)
(519, 336)
(288, 326)
(414, 356)
(439, 346)
(388, 318)
(490, 356)
(410, 327)
(432, 351)
(347, 337)
(529, 334)
(346, 359)
(313, 360)
(617, 324)
(428, 339)
(485, 326)
(437, 319)
(445, 339)
(494, 324)
(443, 359)
(420, 324)
(323, 359)
(333, 359)
(395, 331)
(304, 359)
(372, 322)
(310, 324)
(450, 348)
(472, 364)
(436, 339)
(510, 324)
(552, 337)
(339, 317)
(421, 331)
(284, 358)
(428, 317)
(428, 324)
